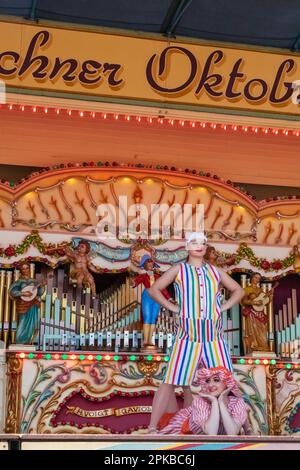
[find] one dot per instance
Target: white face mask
(192, 236)
(195, 241)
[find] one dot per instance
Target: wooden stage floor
(146, 442)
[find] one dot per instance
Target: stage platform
(110, 395)
(146, 442)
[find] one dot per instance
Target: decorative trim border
(105, 357)
(61, 169)
(14, 394)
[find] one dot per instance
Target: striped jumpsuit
(199, 335)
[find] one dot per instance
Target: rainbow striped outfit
(199, 335)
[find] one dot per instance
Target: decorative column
(13, 395)
(2, 386)
(274, 428)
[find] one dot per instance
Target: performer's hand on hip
(224, 307)
(173, 307)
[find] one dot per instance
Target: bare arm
(237, 292)
(162, 283)
(232, 427)
(211, 426)
(69, 253)
(92, 268)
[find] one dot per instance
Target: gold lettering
(108, 411)
(133, 410)
(90, 413)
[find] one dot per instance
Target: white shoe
(153, 431)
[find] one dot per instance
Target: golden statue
(296, 253)
(256, 319)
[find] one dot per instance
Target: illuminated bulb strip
(151, 358)
(160, 120)
(92, 357)
(263, 361)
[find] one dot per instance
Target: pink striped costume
(192, 420)
(199, 336)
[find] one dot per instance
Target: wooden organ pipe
(7, 308)
(14, 311)
(244, 284)
(270, 313)
(2, 295)
(287, 327)
(64, 303)
(71, 318)
(32, 270)
(73, 313)
(294, 304)
(289, 310)
(82, 319)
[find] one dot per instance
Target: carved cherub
(82, 265)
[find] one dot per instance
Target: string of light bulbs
(151, 120)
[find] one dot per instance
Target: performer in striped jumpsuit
(199, 335)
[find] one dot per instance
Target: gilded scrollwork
(286, 395)
(77, 187)
(271, 405)
(148, 368)
(13, 400)
(49, 383)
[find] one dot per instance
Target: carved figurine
(27, 293)
(296, 253)
(256, 320)
(150, 308)
(79, 257)
(212, 257)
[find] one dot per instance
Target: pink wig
(225, 376)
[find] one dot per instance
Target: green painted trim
(157, 104)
